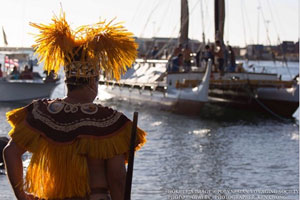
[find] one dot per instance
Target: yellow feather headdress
(87, 50)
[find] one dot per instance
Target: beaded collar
(59, 105)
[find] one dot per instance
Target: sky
(247, 21)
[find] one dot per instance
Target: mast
(202, 20)
(219, 20)
(4, 37)
(184, 23)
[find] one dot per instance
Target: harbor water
(222, 154)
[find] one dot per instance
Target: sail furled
(184, 23)
(219, 20)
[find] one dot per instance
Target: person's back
(187, 53)
(51, 77)
(26, 74)
(219, 51)
(207, 54)
(187, 58)
(60, 123)
(15, 74)
(154, 53)
(79, 148)
(219, 55)
(232, 59)
(177, 62)
(177, 50)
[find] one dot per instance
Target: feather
(103, 47)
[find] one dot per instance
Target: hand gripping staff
(131, 158)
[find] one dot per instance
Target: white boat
(152, 84)
(264, 92)
(23, 90)
(148, 81)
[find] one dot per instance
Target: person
(187, 58)
(246, 57)
(26, 74)
(50, 77)
(198, 57)
(177, 50)
(232, 63)
(31, 68)
(15, 74)
(1, 73)
(214, 67)
(219, 55)
(79, 148)
(207, 54)
(154, 53)
(166, 54)
(273, 56)
(176, 63)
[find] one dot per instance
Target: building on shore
(14, 49)
(286, 51)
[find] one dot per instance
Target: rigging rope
(209, 21)
(138, 8)
(244, 29)
(174, 29)
(248, 23)
(265, 22)
(202, 20)
(148, 19)
(278, 38)
(227, 21)
(278, 19)
(163, 18)
(254, 96)
(275, 27)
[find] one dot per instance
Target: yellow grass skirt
(59, 170)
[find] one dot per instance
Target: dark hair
(75, 83)
(207, 46)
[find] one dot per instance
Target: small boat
(23, 90)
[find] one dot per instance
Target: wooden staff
(131, 158)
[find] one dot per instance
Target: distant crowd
(15, 74)
(25, 74)
(182, 58)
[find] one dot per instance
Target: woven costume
(61, 135)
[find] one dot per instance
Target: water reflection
(193, 153)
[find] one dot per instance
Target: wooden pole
(127, 195)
